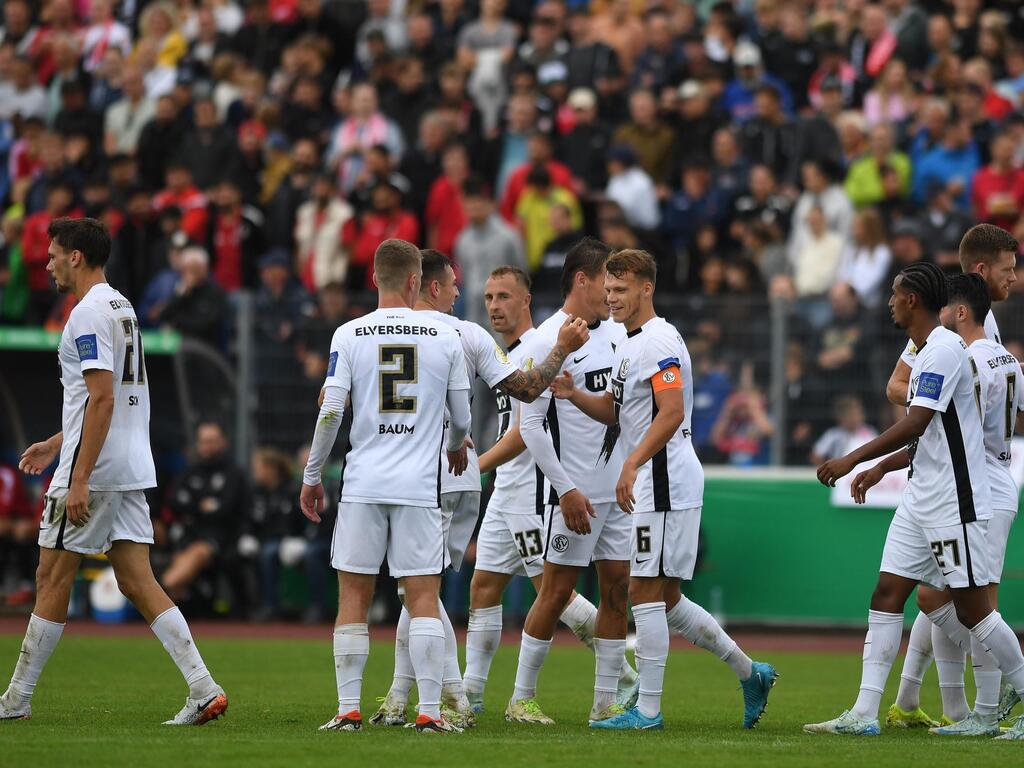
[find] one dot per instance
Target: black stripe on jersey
(547, 539)
(438, 479)
(555, 442)
(71, 473)
(515, 344)
(958, 457)
(539, 492)
(659, 469)
(967, 558)
(661, 558)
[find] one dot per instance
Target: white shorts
(459, 513)
(511, 543)
(411, 537)
(665, 543)
(608, 539)
(998, 537)
(114, 516)
(955, 556)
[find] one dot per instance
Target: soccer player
(938, 535)
(579, 463)
(460, 496)
(400, 368)
(990, 252)
(96, 502)
(511, 538)
(999, 398)
(649, 400)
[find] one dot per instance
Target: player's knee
(885, 599)
(969, 614)
(483, 593)
(556, 592)
(129, 587)
(929, 600)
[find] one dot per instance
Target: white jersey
(579, 440)
(1000, 399)
(484, 358)
(102, 333)
(948, 475)
(515, 482)
(991, 332)
(654, 355)
(397, 366)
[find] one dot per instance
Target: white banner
(887, 493)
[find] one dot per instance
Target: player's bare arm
(38, 456)
(600, 408)
(507, 448)
(670, 417)
(899, 435)
(528, 385)
(98, 412)
(871, 477)
(899, 381)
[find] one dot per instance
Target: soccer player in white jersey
(938, 535)
(990, 252)
(649, 400)
(399, 369)
(96, 502)
(460, 495)
(579, 462)
(511, 538)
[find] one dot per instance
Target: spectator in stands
(567, 233)
(650, 138)
(360, 130)
(871, 46)
(820, 190)
(539, 151)
(19, 530)
(817, 258)
(740, 95)
(159, 140)
(585, 147)
(421, 165)
(198, 307)
(533, 213)
(445, 216)
(210, 150)
(892, 99)
(292, 192)
(804, 403)
(696, 204)
(388, 219)
(743, 426)
(695, 122)
(792, 54)
(313, 338)
(234, 238)
(618, 28)
(181, 193)
(159, 33)
(662, 62)
(772, 138)
(944, 224)
(205, 510)
(850, 431)
(843, 343)
(730, 170)
(14, 287)
(136, 256)
(864, 181)
(54, 170)
(970, 105)
(953, 162)
(320, 257)
(866, 257)
(997, 192)
(35, 244)
(485, 47)
(762, 203)
(22, 95)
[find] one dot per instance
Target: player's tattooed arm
(527, 386)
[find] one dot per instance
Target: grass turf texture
(101, 702)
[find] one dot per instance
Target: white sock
(41, 638)
(426, 648)
(451, 677)
(945, 619)
(950, 661)
(987, 678)
(919, 658)
(580, 615)
(651, 654)
(998, 639)
(609, 657)
(482, 640)
(351, 649)
(700, 628)
(404, 677)
(532, 653)
(172, 631)
(881, 645)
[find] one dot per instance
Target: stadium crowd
(760, 149)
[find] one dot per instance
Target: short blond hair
(633, 261)
(393, 262)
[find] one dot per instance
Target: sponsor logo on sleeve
(930, 385)
(332, 364)
(88, 349)
(668, 362)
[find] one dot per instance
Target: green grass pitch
(101, 702)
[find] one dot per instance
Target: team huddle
(593, 464)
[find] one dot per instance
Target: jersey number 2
(405, 371)
(134, 364)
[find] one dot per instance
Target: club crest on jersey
(87, 347)
(668, 377)
(560, 543)
(499, 353)
(930, 385)
(597, 381)
(623, 368)
(528, 364)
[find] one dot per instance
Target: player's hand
(624, 488)
(458, 461)
(577, 511)
(38, 457)
(573, 334)
(468, 443)
(76, 506)
(311, 501)
(863, 481)
(563, 387)
(834, 469)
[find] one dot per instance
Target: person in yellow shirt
(533, 213)
(158, 28)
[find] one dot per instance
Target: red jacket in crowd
(192, 202)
